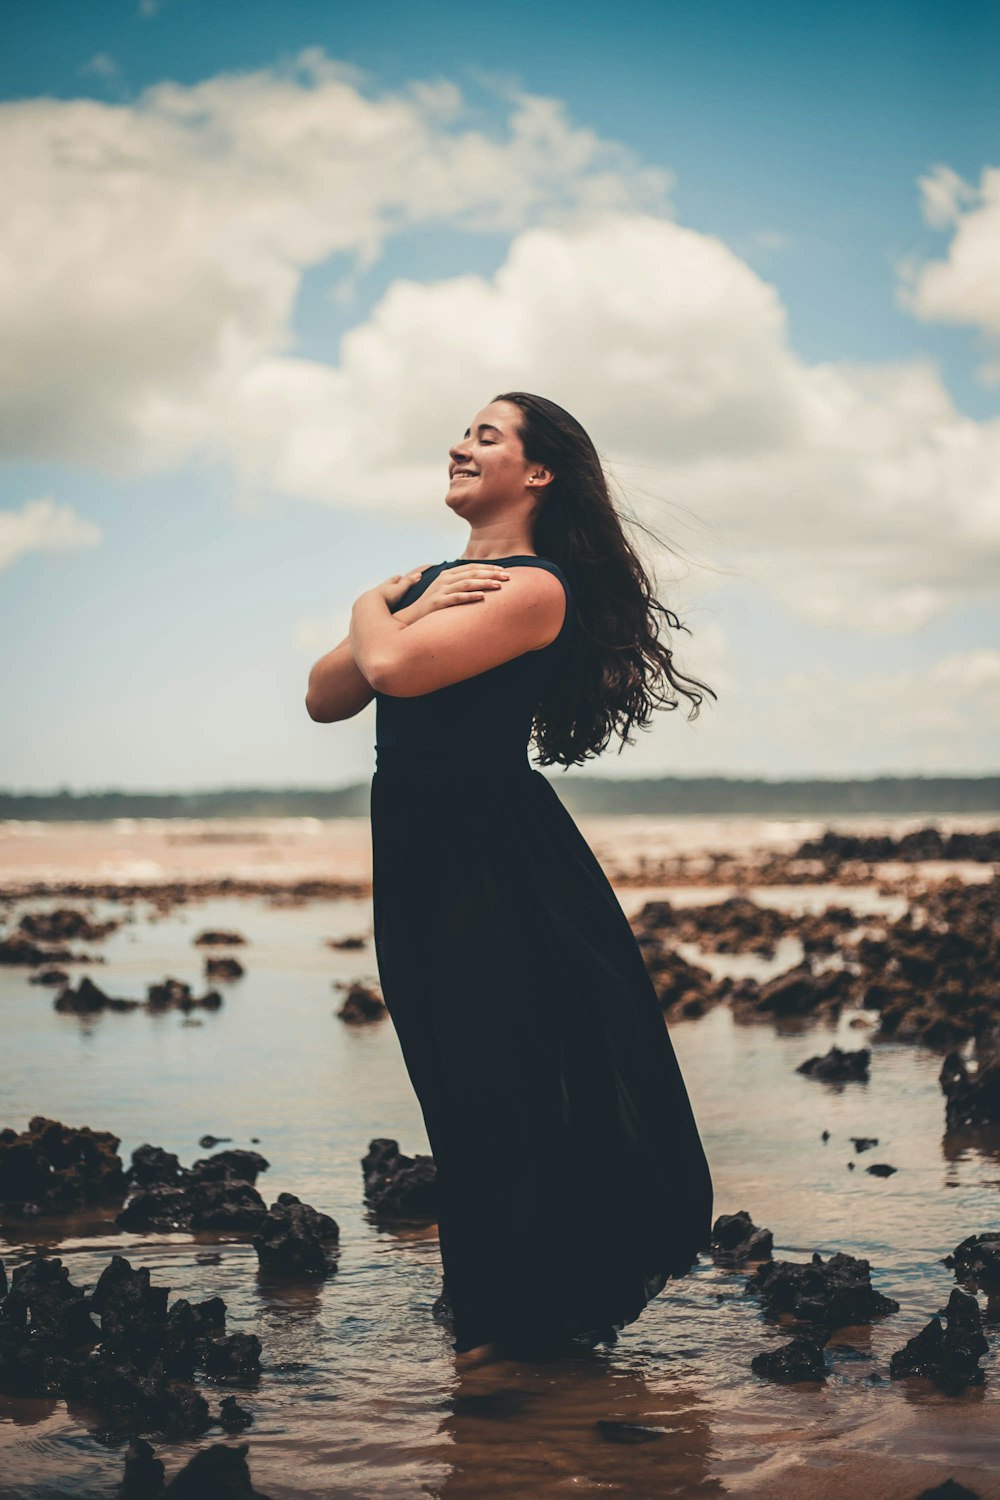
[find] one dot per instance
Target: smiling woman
(572, 1182)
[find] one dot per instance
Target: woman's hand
(393, 589)
(468, 584)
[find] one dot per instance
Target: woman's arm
(449, 646)
(338, 689)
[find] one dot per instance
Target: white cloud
(151, 253)
(857, 493)
(43, 526)
(964, 287)
(157, 249)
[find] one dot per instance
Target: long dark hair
(620, 670)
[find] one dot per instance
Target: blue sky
(260, 208)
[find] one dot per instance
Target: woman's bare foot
(480, 1354)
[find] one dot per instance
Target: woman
(571, 1177)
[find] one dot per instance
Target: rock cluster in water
(361, 1003)
(215, 1473)
(397, 1187)
(831, 1293)
(736, 1238)
(215, 1192)
(137, 1367)
(947, 1356)
(972, 1098)
(54, 1168)
(837, 1066)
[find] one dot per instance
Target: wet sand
(358, 1394)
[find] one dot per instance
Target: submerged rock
(223, 968)
(976, 1262)
(64, 924)
(362, 1003)
(833, 1293)
(216, 1192)
(296, 1239)
(135, 1368)
(736, 1238)
(56, 1168)
(172, 994)
(949, 1357)
(397, 1187)
(838, 1066)
(800, 1359)
(215, 1473)
(972, 1098)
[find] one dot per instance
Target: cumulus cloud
(857, 493)
(151, 253)
(157, 250)
(963, 287)
(43, 526)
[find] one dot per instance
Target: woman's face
(487, 468)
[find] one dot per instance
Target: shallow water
(358, 1394)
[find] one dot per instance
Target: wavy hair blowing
(620, 670)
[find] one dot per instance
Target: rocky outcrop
(837, 1066)
(736, 1238)
(137, 1366)
(398, 1188)
(831, 1293)
(947, 1356)
(215, 1192)
(52, 1168)
(296, 1240)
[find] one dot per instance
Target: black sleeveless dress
(572, 1180)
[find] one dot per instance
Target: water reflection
(587, 1423)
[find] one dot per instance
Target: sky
(260, 266)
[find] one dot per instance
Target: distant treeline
(702, 795)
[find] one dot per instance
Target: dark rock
(223, 968)
(87, 999)
(208, 1141)
(800, 1359)
(218, 938)
(881, 1169)
(864, 1142)
(349, 943)
(837, 1066)
(397, 1187)
(56, 978)
(56, 1168)
(736, 1238)
(65, 924)
(216, 1473)
(972, 1098)
(834, 1293)
(18, 950)
(362, 1003)
(976, 1262)
(135, 1368)
(216, 1192)
(234, 1417)
(173, 994)
(801, 992)
(295, 1239)
(143, 1472)
(949, 1357)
